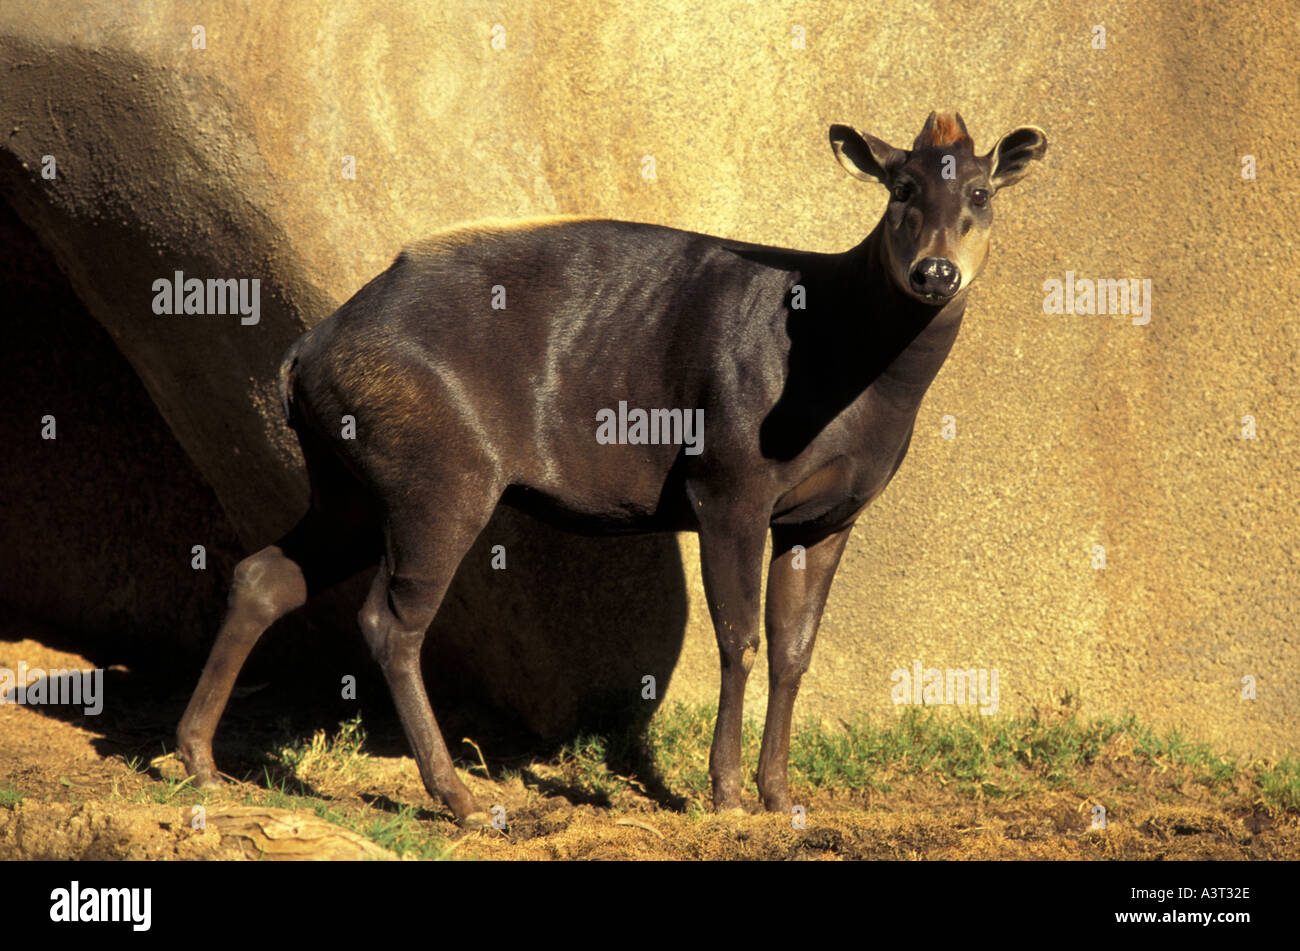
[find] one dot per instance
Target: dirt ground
(79, 801)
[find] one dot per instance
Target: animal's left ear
(1008, 161)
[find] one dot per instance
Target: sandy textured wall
(1072, 431)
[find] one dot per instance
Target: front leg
(795, 599)
(731, 561)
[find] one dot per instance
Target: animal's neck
(905, 339)
(858, 338)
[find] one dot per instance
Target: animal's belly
(621, 493)
(584, 519)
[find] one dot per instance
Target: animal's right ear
(864, 156)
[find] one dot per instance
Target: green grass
(169, 792)
(1211, 769)
(302, 764)
(679, 738)
(9, 797)
(287, 782)
(324, 758)
(584, 764)
(983, 757)
(1279, 784)
(995, 757)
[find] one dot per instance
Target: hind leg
(424, 549)
(337, 538)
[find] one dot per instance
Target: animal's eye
(902, 191)
(979, 198)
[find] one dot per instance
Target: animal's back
(589, 312)
(501, 294)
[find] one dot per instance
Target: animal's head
(936, 228)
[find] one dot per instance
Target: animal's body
(420, 406)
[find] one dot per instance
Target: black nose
(935, 277)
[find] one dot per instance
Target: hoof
(201, 769)
(475, 820)
(732, 811)
(204, 774)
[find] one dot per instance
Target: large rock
(1072, 431)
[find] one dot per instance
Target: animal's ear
(1008, 161)
(864, 156)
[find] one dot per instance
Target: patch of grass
(329, 761)
(992, 757)
(338, 762)
(171, 792)
(1279, 784)
(584, 765)
(278, 794)
(289, 779)
(678, 739)
(982, 758)
(1175, 750)
(848, 760)
(995, 758)
(9, 797)
(404, 834)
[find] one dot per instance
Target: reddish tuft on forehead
(943, 130)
